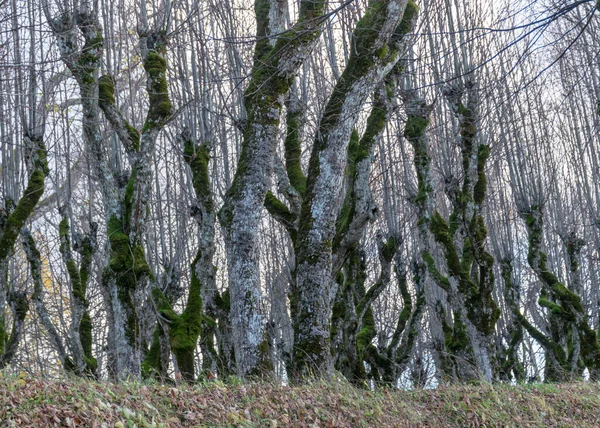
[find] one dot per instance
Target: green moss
(127, 265)
(567, 296)
(467, 256)
(127, 261)
(554, 308)
(78, 278)
(134, 136)
(223, 301)
(262, 46)
(376, 121)
(265, 364)
(390, 248)
(408, 19)
(89, 59)
(483, 311)
(86, 261)
(481, 185)
(348, 207)
(184, 329)
(106, 90)
(85, 333)
(440, 231)
(32, 194)
(468, 132)
(367, 333)
(293, 152)
(414, 131)
(21, 305)
(73, 271)
(440, 279)
(455, 337)
(160, 104)
(415, 127)
(183, 334)
(337, 316)
(153, 366)
(279, 210)
(197, 157)
(312, 9)
(106, 97)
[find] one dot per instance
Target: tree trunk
(372, 58)
(10, 229)
(272, 75)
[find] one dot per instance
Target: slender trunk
(203, 270)
(11, 228)
(510, 366)
(565, 306)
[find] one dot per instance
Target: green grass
(30, 402)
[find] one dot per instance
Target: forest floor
(29, 402)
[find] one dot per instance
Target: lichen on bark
(275, 66)
(372, 58)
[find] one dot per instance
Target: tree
(16, 213)
(376, 51)
(277, 56)
(125, 196)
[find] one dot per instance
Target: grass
(31, 403)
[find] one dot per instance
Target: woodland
(398, 193)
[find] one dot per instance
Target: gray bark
(366, 68)
(275, 66)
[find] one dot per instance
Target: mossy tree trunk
(127, 275)
(509, 364)
(358, 207)
(472, 279)
(80, 334)
(468, 334)
(157, 359)
(182, 330)
(14, 215)
(11, 226)
(76, 356)
(203, 313)
(84, 63)
(348, 325)
(35, 263)
(277, 58)
(291, 183)
(396, 355)
(565, 354)
(415, 131)
(372, 58)
(156, 362)
(355, 319)
(125, 198)
(353, 324)
(197, 157)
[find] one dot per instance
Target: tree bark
(372, 58)
(272, 75)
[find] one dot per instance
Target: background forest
(398, 192)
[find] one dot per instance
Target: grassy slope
(32, 403)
